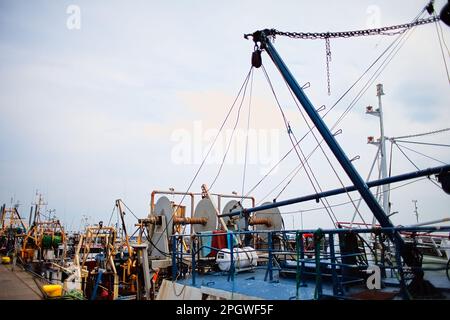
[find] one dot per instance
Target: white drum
(243, 258)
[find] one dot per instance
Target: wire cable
(295, 145)
(246, 138)
(391, 45)
(422, 154)
(209, 151)
(232, 134)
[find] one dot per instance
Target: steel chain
(391, 30)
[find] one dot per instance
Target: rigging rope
(424, 143)
(348, 202)
(320, 146)
(429, 157)
(433, 182)
(421, 134)
(246, 138)
(295, 145)
(232, 133)
(395, 45)
(209, 151)
(442, 48)
(392, 45)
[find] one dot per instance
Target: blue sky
(88, 115)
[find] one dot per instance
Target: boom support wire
(390, 52)
(303, 160)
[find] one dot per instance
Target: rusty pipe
(177, 220)
(258, 221)
(155, 192)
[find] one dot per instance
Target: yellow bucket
(53, 290)
(6, 260)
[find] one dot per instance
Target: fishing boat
(196, 244)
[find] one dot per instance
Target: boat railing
(337, 255)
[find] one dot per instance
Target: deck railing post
(400, 270)
(174, 258)
(269, 271)
(231, 247)
(336, 289)
(193, 265)
(318, 235)
(298, 275)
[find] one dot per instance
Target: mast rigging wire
(340, 99)
(421, 134)
(348, 202)
(246, 138)
(295, 145)
(422, 154)
(165, 231)
(232, 133)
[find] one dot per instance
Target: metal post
(298, 239)
(400, 270)
(302, 264)
(317, 239)
(383, 164)
(2, 215)
(320, 125)
(193, 259)
(269, 264)
(231, 247)
(97, 283)
(142, 256)
(174, 258)
(333, 265)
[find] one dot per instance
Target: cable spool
(205, 210)
(237, 221)
(269, 219)
(163, 207)
(160, 228)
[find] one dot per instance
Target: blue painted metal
(316, 196)
(269, 271)
(400, 270)
(174, 257)
(321, 289)
(193, 252)
(326, 134)
(359, 183)
(231, 247)
(97, 283)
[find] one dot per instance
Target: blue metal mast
(263, 38)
